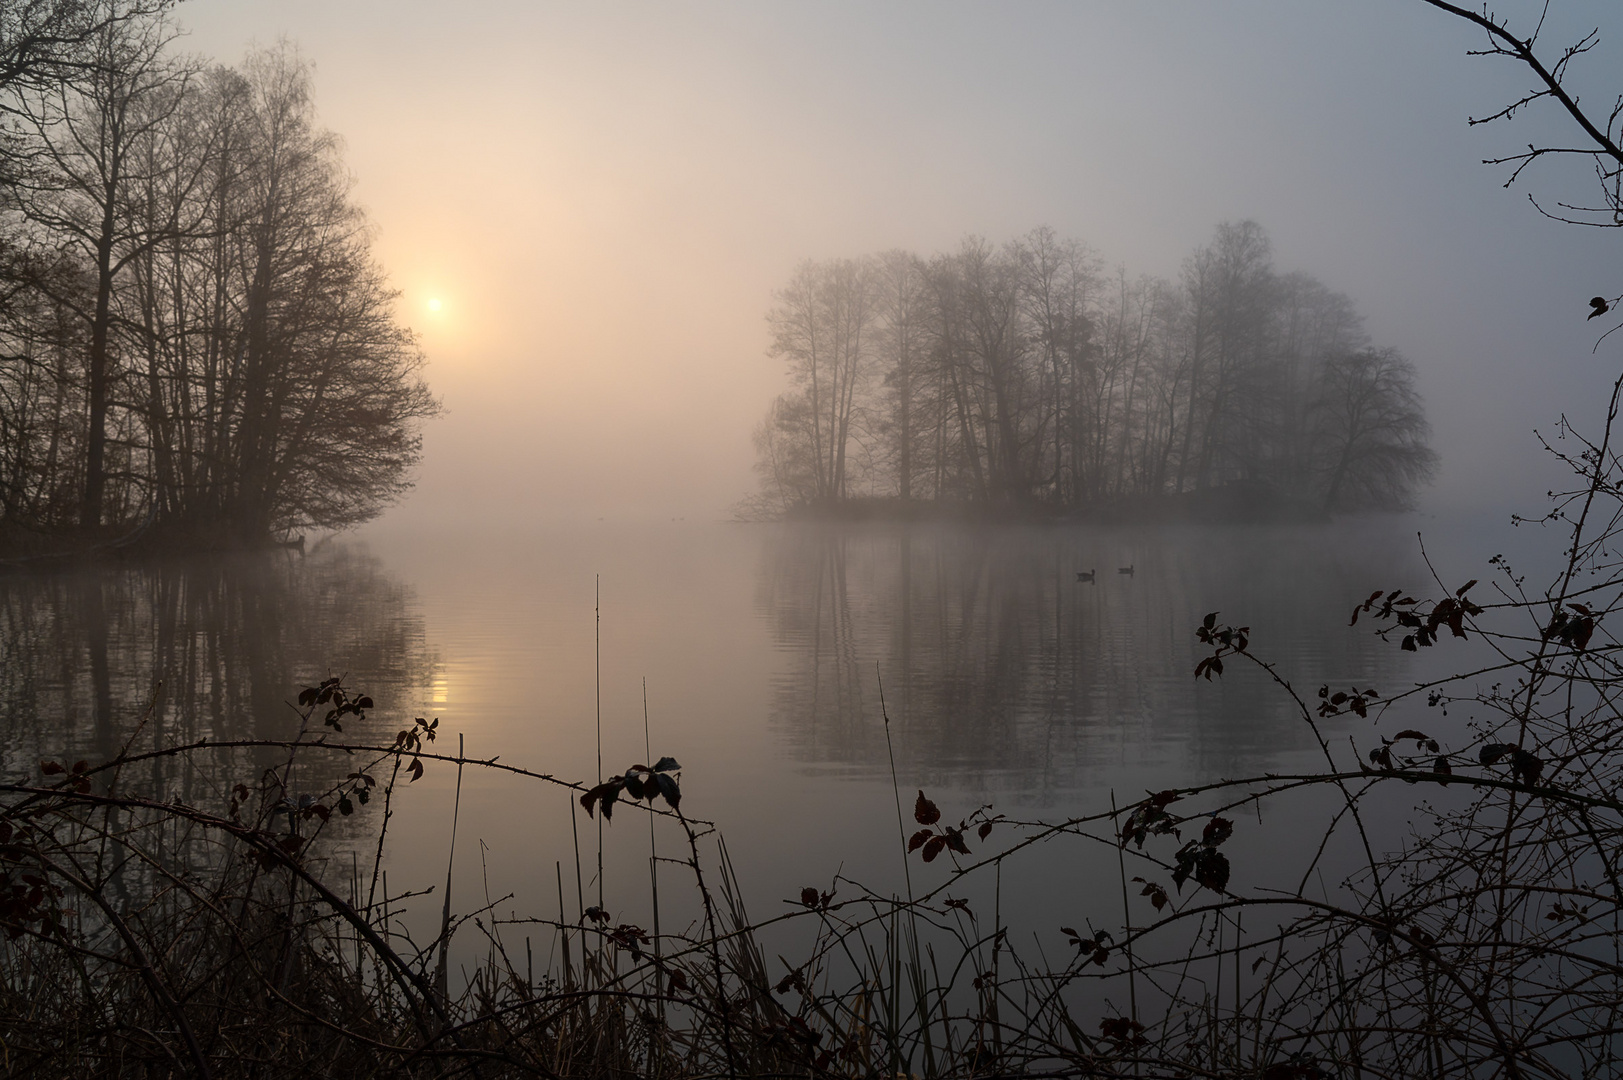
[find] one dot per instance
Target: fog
(603, 198)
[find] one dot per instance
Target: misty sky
(603, 198)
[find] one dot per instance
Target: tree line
(194, 334)
(1025, 374)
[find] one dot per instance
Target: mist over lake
(764, 648)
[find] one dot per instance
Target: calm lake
(763, 657)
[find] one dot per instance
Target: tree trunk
(96, 376)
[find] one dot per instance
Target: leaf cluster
(339, 702)
(658, 781)
(935, 838)
(1424, 619)
(1225, 640)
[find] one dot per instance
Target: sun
(435, 304)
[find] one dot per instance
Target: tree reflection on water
(214, 647)
(1001, 668)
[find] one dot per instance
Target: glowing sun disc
(434, 305)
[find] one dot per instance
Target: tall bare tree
(902, 347)
(80, 188)
(1370, 430)
(823, 327)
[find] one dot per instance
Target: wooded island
(1025, 380)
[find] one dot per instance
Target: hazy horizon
(604, 199)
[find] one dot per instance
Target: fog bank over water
(603, 200)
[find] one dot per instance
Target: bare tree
(1370, 430)
(823, 327)
(201, 335)
(80, 189)
(1010, 379)
(1237, 274)
(42, 41)
(1603, 141)
(1060, 280)
(41, 399)
(983, 338)
(1600, 142)
(1314, 326)
(311, 391)
(902, 347)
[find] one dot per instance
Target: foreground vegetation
(1453, 911)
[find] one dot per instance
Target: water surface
(765, 658)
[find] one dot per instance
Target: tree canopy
(1027, 374)
(194, 333)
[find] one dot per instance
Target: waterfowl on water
(1128, 570)
(1085, 575)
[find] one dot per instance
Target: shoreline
(1231, 504)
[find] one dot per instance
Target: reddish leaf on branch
(1157, 893)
